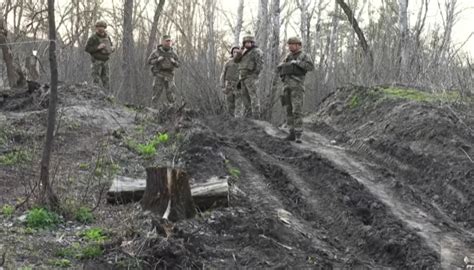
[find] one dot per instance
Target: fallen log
(212, 193)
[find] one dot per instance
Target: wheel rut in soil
(451, 244)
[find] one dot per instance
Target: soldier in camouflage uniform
(229, 80)
(100, 46)
(163, 62)
(293, 70)
(250, 60)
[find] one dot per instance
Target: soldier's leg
(251, 84)
(238, 101)
(290, 120)
(158, 85)
(105, 73)
(245, 99)
(297, 97)
(230, 96)
(171, 91)
(96, 69)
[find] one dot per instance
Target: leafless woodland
(351, 41)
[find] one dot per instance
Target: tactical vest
(292, 69)
(232, 71)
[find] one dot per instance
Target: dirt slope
(364, 201)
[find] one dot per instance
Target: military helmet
(166, 37)
(101, 24)
(248, 38)
(294, 40)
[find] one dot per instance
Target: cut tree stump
(212, 193)
(168, 194)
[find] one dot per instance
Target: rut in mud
(336, 199)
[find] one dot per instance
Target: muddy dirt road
(341, 203)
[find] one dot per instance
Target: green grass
(63, 263)
(94, 234)
(147, 150)
(40, 218)
(420, 96)
(354, 102)
(15, 157)
(76, 251)
(84, 215)
(8, 210)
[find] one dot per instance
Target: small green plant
(234, 172)
(84, 215)
(84, 166)
(68, 252)
(25, 268)
(40, 218)
(354, 102)
(60, 262)
(15, 157)
(146, 150)
(7, 210)
(94, 234)
(89, 252)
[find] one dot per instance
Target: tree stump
(168, 194)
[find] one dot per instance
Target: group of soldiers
(239, 77)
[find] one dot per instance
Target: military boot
(291, 136)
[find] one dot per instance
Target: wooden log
(168, 194)
(212, 193)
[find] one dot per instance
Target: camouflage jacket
(250, 63)
(99, 54)
(166, 66)
(230, 72)
(295, 71)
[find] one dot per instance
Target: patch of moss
(420, 96)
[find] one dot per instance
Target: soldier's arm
(222, 78)
(152, 59)
(258, 61)
(176, 62)
(238, 57)
(91, 45)
(306, 62)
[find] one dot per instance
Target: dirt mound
(425, 140)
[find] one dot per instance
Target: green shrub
(41, 218)
(7, 210)
(84, 215)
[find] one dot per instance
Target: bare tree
(404, 53)
(360, 34)
(128, 55)
(240, 19)
(48, 197)
(154, 27)
(7, 53)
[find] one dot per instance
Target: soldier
(250, 60)
(229, 80)
(100, 46)
(292, 71)
(163, 62)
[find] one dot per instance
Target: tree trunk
(48, 197)
(168, 194)
(360, 34)
(128, 58)
(240, 19)
(7, 54)
(154, 28)
(403, 21)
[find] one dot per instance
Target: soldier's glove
(161, 58)
(172, 60)
(295, 62)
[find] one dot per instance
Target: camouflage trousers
(249, 97)
(100, 73)
(166, 84)
(233, 97)
(294, 95)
